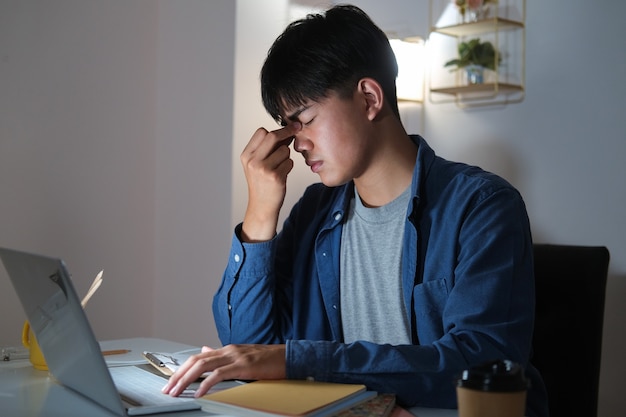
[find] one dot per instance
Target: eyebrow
(294, 116)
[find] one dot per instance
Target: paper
(168, 363)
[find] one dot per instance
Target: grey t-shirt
(372, 306)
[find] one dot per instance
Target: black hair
(323, 53)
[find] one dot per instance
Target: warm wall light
(410, 56)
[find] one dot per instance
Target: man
(398, 271)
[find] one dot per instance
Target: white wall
(194, 131)
(115, 146)
(120, 143)
(77, 151)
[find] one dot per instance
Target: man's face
(335, 137)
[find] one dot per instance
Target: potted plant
(475, 56)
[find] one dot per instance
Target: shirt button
(237, 257)
(338, 216)
(230, 307)
(335, 306)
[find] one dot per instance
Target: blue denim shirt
(467, 277)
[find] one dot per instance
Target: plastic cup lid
(495, 376)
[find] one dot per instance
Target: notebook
(286, 398)
(53, 309)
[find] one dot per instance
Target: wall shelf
(504, 27)
(479, 88)
(478, 27)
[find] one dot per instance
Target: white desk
(25, 391)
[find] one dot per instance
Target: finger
(176, 377)
(189, 377)
(286, 133)
(284, 167)
(278, 157)
(266, 142)
(255, 141)
(223, 373)
(202, 364)
(276, 164)
(290, 130)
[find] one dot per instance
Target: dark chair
(567, 341)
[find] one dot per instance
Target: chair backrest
(570, 292)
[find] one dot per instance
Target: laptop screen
(64, 335)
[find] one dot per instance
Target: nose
(301, 143)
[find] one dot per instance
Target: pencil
(115, 352)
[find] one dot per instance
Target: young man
(399, 271)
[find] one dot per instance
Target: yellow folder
(285, 398)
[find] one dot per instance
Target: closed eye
(309, 122)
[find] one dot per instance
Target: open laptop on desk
(68, 343)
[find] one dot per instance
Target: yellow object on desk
(30, 342)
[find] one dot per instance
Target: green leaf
(474, 52)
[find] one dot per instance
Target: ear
(372, 92)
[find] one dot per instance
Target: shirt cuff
(308, 359)
(257, 257)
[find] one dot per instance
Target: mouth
(314, 165)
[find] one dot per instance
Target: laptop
(69, 346)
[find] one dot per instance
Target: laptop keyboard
(140, 387)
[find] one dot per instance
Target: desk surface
(27, 391)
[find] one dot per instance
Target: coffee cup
(493, 389)
(30, 342)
